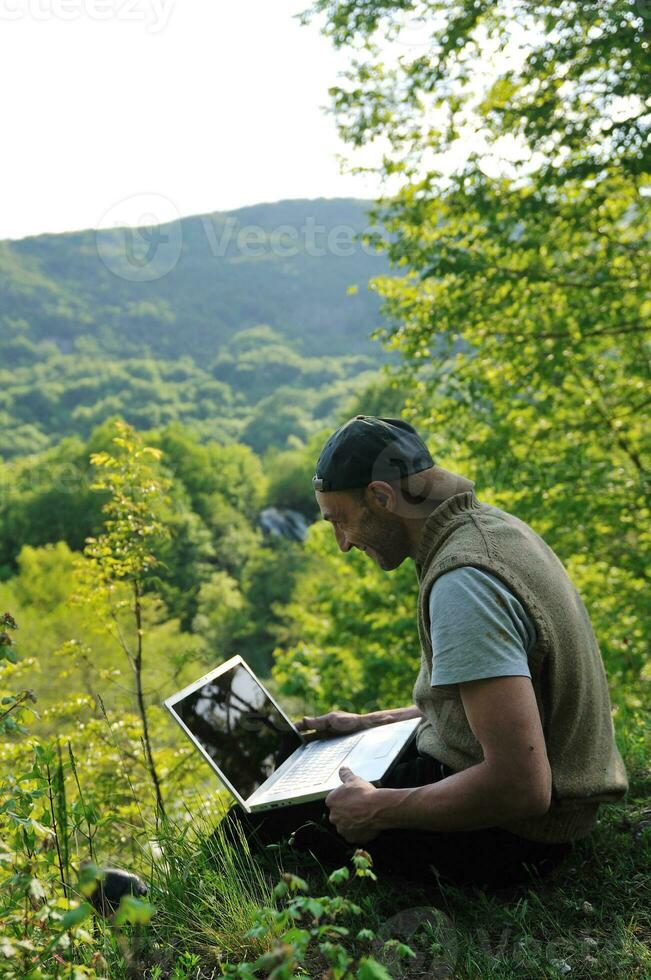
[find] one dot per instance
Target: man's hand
(334, 723)
(352, 808)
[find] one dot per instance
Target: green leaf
(295, 883)
(280, 890)
(90, 875)
(314, 907)
(339, 876)
(405, 952)
(74, 917)
(134, 910)
(370, 969)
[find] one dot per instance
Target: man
(516, 748)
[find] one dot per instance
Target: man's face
(378, 533)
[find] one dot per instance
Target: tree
(570, 82)
(121, 561)
(520, 300)
(290, 475)
(220, 604)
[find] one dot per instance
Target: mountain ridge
(90, 275)
(145, 323)
(199, 214)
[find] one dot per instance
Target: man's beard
(387, 539)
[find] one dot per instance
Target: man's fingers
(346, 774)
(311, 724)
(333, 796)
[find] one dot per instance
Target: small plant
(309, 932)
(187, 966)
(120, 562)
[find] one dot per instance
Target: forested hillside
(244, 325)
(161, 389)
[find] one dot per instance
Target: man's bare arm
(513, 781)
(343, 722)
(389, 715)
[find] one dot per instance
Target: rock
(115, 883)
(561, 965)
(279, 522)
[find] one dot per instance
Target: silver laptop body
(259, 754)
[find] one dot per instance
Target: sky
(115, 111)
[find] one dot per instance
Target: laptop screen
(239, 727)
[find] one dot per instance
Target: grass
(590, 919)
(217, 907)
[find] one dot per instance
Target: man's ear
(381, 496)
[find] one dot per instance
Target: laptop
(260, 755)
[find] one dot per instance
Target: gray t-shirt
(478, 628)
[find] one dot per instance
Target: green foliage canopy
(520, 299)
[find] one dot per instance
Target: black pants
(492, 857)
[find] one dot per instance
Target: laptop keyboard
(315, 766)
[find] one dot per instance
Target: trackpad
(379, 751)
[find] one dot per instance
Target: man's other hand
(352, 808)
(334, 723)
